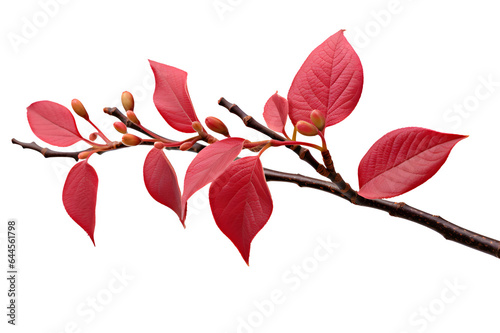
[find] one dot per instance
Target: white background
(420, 59)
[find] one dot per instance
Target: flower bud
(84, 154)
(186, 145)
(305, 128)
(93, 136)
(197, 127)
(120, 127)
(79, 109)
(131, 140)
(132, 117)
(127, 101)
(216, 125)
(318, 119)
(159, 145)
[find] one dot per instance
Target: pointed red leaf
(209, 164)
(53, 123)
(330, 80)
(171, 97)
(276, 112)
(161, 181)
(80, 196)
(241, 202)
(402, 160)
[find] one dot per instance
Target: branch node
(246, 119)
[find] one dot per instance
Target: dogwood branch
(447, 229)
(327, 171)
(340, 188)
(250, 122)
(47, 152)
(335, 186)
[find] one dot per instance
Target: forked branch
(447, 229)
(337, 186)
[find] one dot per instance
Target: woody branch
(335, 186)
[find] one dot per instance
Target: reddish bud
(318, 119)
(131, 140)
(127, 101)
(79, 109)
(186, 145)
(84, 154)
(120, 127)
(305, 128)
(132, 117)
(159, 145)
(197, 127)
(216, 125)
(93, 136)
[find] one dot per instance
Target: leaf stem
(99, 132)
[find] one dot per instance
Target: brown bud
(79, 109)
(132, 117)
(84, 154)
(127, 101)
(131, 140)
(186, 145)
(216, 125)
(318, 119)
(197, 127)
(159, 145)
(305, 128)
(120, 127)
(93, 136)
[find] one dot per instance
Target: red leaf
(402, 160)
(53, 123)
(161, 181)
(209, 164)
(276, 112)
(241, 202)
(330, 80)
(80, 196)
(171, 97)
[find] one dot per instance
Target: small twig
(304, 154)
(250, 122)
(47, 152)
(197, 147)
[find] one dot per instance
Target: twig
(304, 154)
(197, 147)
(250, 122)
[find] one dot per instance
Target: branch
(447, 229)
(47, 152)
(250, 122)
(304, 154)
(342, 189)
